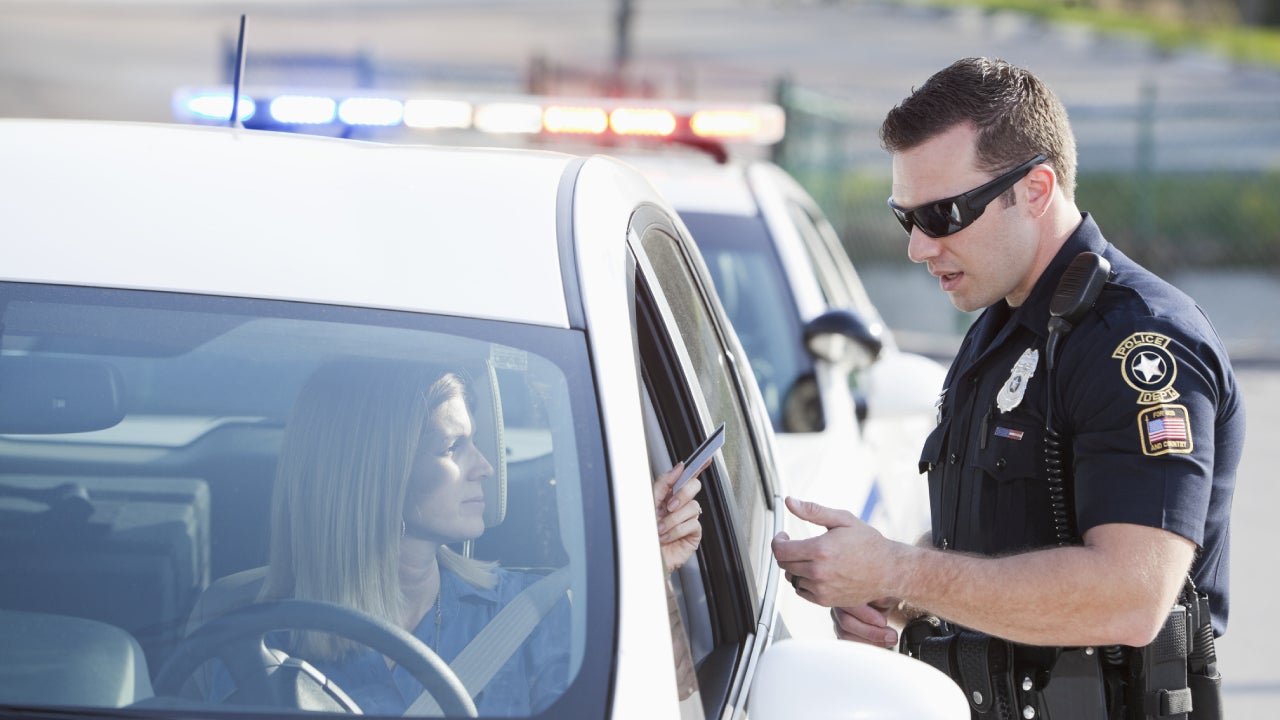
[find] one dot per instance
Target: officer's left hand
(867, 624)
(844, 567)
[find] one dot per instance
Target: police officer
(1149, 419)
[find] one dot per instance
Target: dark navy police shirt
(1145, 395)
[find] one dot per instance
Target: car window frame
(736, 599)
(755, 425)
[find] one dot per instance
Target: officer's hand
(866, 623)
(844, 567)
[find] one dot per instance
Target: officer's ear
(1040, 185)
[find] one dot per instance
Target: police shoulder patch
(1165, 430)
(1148, 367)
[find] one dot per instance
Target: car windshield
(748, 276)
(169, 462)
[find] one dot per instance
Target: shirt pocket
(931, 462)
(1013, 449)
(934, 445)
(1013, 512)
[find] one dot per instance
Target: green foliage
(1176, 220)
(1166, 222)
(1253, 45)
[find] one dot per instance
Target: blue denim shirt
(528, 683)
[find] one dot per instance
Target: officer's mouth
(949, 281)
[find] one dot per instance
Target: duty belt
(1175, 677)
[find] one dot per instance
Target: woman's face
(445, 498)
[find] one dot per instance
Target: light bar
(371, 111)
(641, 121)
(645, 120)
(428, 114)
(760, 124)
(302, 109)
(581, 120)
(509, 117)
(214, 106)
(724, 124)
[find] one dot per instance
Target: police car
(850, 409)
(794, 298)
(168, 291)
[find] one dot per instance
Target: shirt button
(1000, 463)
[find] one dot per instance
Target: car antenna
(234, 117)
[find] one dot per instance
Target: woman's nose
(481, 468)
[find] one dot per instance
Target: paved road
(1251, 670)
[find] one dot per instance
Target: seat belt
(490, 649)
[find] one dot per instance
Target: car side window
(688, 308)
(689, 388)
(751, 282)
(836, 275)
(688, 610)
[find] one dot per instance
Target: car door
(693, 372)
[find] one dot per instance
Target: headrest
(482, 383)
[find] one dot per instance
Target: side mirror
(828, 678)
(842, 337)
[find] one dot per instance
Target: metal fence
(1173, 183)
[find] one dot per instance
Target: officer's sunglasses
(948, 216)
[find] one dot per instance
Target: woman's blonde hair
(337, 515)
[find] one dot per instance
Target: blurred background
(1176, 105)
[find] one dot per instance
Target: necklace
(436, 640)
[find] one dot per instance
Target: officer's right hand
(866, 623)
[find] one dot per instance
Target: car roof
(700, 184)
(272, 215)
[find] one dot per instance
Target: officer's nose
(921, 247)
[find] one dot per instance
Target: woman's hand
(679, 529)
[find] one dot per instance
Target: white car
(165, 296)
(850, 409)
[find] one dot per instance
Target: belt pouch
(1075, 689)
(1206, 697)
(1159, 688)
(1202, 665)
(982, 663)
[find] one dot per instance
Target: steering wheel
(238, 640)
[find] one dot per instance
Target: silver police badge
(1016, 386)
